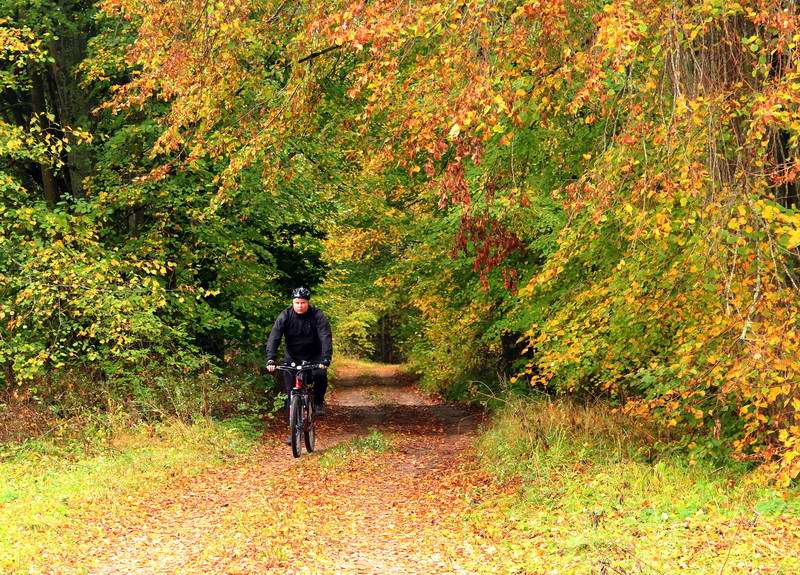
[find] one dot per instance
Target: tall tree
(673, 285)
(51, 96)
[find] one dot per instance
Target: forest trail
(344, 509)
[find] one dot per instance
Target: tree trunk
(71, 105)
(8, 371)
(39, 109)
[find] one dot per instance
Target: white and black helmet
(301, 292)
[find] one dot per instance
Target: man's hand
(271, 365)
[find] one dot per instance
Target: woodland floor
(395, 487)
(338, 510)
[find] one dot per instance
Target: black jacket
(308, 336)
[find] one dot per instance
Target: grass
(355, 363)
(367, 368)
(47, 484)
(580, 492)
(345, 452)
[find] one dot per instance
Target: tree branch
(319, 53)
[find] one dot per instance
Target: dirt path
(336, 511)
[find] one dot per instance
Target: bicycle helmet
(301, 293)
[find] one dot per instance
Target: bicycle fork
(298, 387)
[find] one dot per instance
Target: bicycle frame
(301, 374)
(301, 406)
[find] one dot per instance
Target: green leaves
(161, 256)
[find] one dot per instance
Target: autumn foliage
(612, 183)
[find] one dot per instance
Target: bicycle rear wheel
(310, 425)
(295, 425)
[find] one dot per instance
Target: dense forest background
(591, 197)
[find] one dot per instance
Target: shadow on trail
(387, 401)
(390, 380)
(422, 420)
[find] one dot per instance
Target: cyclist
(308, 338)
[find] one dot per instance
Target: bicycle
(301, 406)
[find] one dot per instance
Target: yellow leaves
(785, 224)
(454, 132)
(647, 168)
(793, 239)
(775, 391)
(663, 222)
(501, 103)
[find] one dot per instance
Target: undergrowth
(592, 492)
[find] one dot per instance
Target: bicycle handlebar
(294, 368)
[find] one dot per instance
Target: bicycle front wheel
(295, 425)
(310, 433)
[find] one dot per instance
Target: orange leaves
(674, 276)
(438, 80)
(702, 280)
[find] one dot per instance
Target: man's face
(300, 305)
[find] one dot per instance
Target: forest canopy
(593, 198)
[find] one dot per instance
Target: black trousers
(320, 383)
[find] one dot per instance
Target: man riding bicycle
(308, 338)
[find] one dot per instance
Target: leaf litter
(396, 487)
